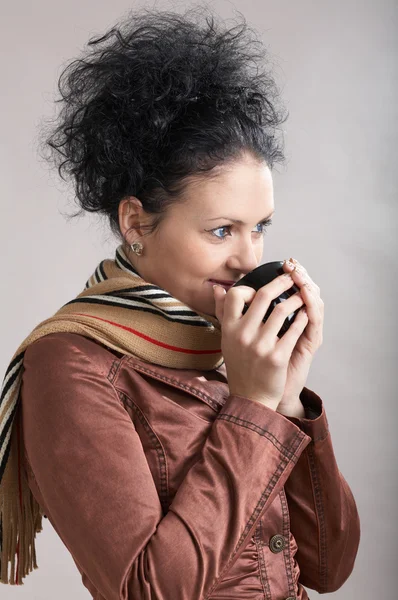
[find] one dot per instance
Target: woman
(169, 439)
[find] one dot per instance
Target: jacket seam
(289, 452)
(286, 551)
(114, 370)
(158, 447)
(255, 514)
(261, 562)
(177, 383)
(317, 489)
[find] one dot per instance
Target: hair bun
(159, 97)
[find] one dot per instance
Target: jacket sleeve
(98, 492)
(323, 514)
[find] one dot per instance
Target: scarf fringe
(22, 514)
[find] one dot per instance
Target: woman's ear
(131, 215)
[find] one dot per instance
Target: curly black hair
(158, 100)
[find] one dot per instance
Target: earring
(137, 248)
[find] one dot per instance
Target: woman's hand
(307, 344)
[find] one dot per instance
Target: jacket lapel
(213, 392)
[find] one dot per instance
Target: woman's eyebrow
(238, 220)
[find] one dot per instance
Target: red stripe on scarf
(152, 340)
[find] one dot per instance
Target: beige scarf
(121, 310)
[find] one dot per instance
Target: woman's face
(197, 241)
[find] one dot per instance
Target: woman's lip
(222, 282)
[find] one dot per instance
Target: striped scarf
(124, 312)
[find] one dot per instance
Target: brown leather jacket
(162, 485)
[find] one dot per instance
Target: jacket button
(277, 543)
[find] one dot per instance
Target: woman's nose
(246, 258)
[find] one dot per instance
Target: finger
(299, 273)
(289, 339)
(305, 283)
(312, 299)
(257, 300)
(235, 300)
(314, 307)
(219, 298)
(310, 293)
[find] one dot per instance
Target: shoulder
(66, 375)
(64, 350)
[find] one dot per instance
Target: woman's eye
(222, 237)
(220, 229)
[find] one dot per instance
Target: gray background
(336, 62)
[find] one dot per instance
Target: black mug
(262, 275)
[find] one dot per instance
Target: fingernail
(289, 264)
(219, 286)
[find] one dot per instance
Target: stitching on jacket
(322, 526)
(158, 446)
(261, 562)
(113, 370)
(286, 551)
(177, 383)
(255, 514)
(289, 452)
